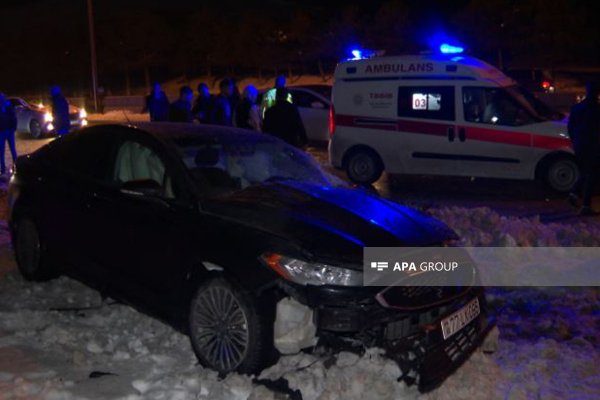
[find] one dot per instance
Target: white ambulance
(443, 114)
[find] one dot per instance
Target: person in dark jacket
(221, 108)
(157, 104)
(283, 120)
(584, 131)
(201, 109)
(247, 114)
(181, 110)
(60, 111)
(235, 97)
(8, 126)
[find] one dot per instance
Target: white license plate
(460, 318)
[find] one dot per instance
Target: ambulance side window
(493, 106)
(430, 102)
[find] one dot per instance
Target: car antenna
(126, 117)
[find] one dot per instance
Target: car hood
(331, 222)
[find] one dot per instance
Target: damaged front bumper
(406, 322)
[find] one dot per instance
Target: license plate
(460, 318)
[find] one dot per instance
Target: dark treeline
(138, 41)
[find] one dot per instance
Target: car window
(137, 162)
(84, 154)
(305, 99)
(235, 165)
(493, 106)
(430, 102)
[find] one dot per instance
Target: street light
(93, 54)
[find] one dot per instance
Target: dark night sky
(46, 41)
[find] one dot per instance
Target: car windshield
(532, 104)
(236, 163)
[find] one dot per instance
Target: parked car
(313, 103)
(36, 119)
(210, 228)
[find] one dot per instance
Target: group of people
(276, 114)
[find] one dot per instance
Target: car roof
(173, 131)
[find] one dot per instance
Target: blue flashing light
(357, 54)
(446, 48)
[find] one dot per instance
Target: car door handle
(450, 134)
(461, 134)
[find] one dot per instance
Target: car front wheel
(226, 331)
(35, 128)
(31, 259)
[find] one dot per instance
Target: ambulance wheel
(561, 174)
(363, 166)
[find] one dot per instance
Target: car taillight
(331, 120)
(546, 85)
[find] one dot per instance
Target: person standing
(268, 99)
(235, 97)
(181, 110)
(60, 111)
(201, 109)
(247, 115)
(283, 120)
(8, 126)
(221, 109)
(157, 104)
(584, 132)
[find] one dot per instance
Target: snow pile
(485, 227)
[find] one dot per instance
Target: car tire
(561, 174)
(35, 129)
(29, 252)
(226, 330)
(363, 166)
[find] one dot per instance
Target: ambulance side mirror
(317, 104)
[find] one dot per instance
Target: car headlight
(306, 273)
(82, 113)
(48, 117)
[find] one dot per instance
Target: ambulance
(443, 114)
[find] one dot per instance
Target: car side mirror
(317, 104)
(142, 187)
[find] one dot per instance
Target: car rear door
(76, 167)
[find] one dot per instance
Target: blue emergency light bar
(446, 48)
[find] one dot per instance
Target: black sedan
(212, 228)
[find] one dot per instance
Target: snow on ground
(119, 116)
(61, 340)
